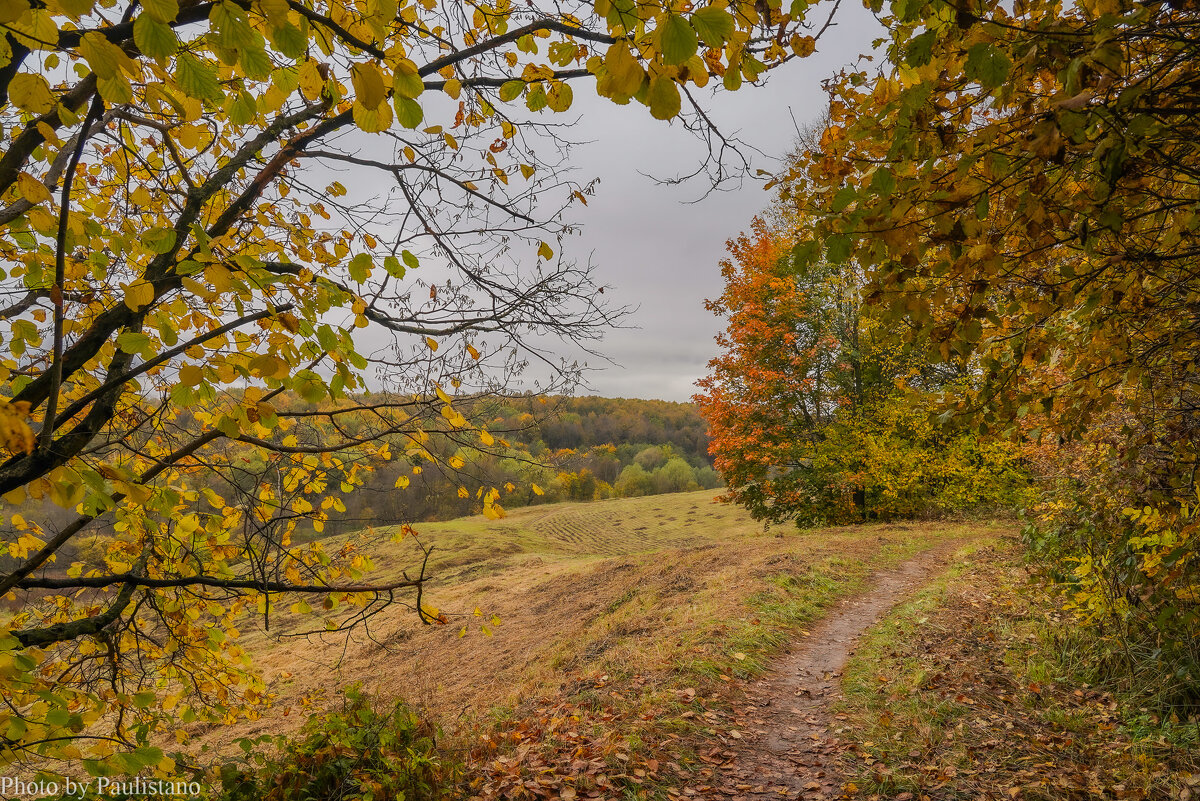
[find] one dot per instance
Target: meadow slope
(667, 592)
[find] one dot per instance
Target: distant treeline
(545, 449)
(558, 449)
(589, 421)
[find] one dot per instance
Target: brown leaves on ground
(955, 711)
(572, 748)
(593, 745)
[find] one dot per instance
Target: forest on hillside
(551, 449)
(543, 450)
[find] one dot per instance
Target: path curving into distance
(787, 748)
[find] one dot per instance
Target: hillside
(659, 593)
(669, 647)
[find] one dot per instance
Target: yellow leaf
(312, 83)
(373, 120)
(625, 74)
(474, 353)
(369, 87)
(12, 10)
(432, 343)
(190, 375)
(32, 189)
(486, 438)
(663, 98)
(267, 366)
(139, 294)
(31, 93)
(537, 490)
(545, 251)
(106, 59)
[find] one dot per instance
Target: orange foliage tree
(818, 414)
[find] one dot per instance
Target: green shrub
(358, 753)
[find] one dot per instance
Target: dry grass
(665, 588)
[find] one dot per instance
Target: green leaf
(196, 78)
(255, 62)
(147, 756)
(988, 65)
(844, 197)
(511, 90)
(535, 100)
(232, 26)
(143, 700)
(837, 248)
(804, 254)
(360, 268)
(289, 40)
(242, 108)
(408, 111)
(159, 240)
(393, 266)
(116, 90)
(407, 81)
(156, 39)
(328, 339)
(132, 341)
(309, 386)
(714, 25)
(161, 10)
(662, 97)
(920, 49)
(883, 182)
(410, 260)
(58, 717)
(676, 39)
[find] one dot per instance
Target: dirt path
(786, 748)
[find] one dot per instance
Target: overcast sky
(662, 254)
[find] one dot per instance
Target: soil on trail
(787, 748)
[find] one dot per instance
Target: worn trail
(787, 748)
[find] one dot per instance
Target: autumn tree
(817, 413)
(207, 207)
(1021, 182)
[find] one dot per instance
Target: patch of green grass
(892, 712)
(973, 685)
